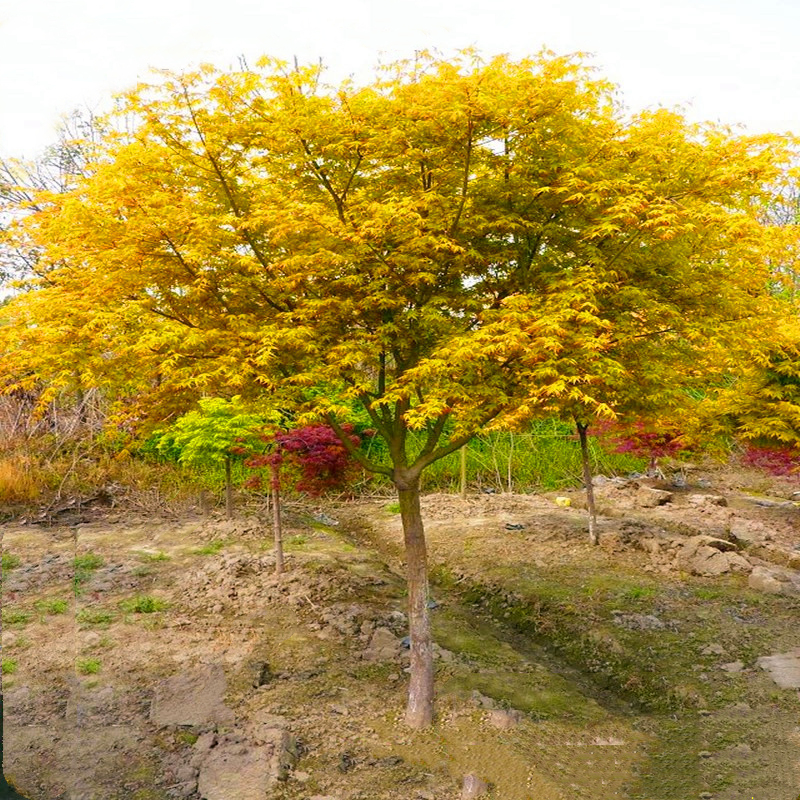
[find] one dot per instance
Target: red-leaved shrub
(776, 460)
(314, 453)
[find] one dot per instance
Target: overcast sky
(733, 61)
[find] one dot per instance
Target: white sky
(734, 61)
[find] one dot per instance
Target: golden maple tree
(456, 244)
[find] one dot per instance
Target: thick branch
(453, 445)
(365, 462)
(434, 434)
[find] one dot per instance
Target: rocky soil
(153, 658)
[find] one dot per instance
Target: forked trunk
(228, 489)
(419, 712)
(275, 483)
(587, 482)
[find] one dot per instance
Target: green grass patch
(555, 610)
(393, 508)
(88, 666)
(210, 549)
(494, 667)
(88, 561)
(142, 604)
(15, 616)
(150, 558)
(52, 606)
(9, 666)
(10, 561)
(94, 617)
(638, 593)
(84, 565)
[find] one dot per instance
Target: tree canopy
(455, 244)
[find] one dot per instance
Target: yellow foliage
(465, 242)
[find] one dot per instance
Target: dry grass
(18, 481)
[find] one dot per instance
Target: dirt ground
(156, 656)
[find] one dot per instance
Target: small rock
(473, 787)
(747, 532)
(303, 777)
(194, 697)
(383, 646)
(773, 580)
(704, 754)
(651, 498)
(713, 649)
(709, 556)
(504, 720)
(707, 500)
(482, 700)
(783, 668)
(441, 653)
(346, 762)
(733, 666)
(638, 622)
(611, 741)
(237, 770)
(182, 789)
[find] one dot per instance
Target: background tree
(762, 405)
(316, 456)
(456, 244)
(212, 434)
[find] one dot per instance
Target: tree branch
(453, 445)
(365, 462)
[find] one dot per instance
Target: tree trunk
(587, 482)
(464, 472)
(204, 503)
(275, 484)
(419, 712)
(228, 489)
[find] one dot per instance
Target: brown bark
(276, 517)
(228, 489)
(419, 712)
(464, 472)
(204, 503)
(587, 481)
